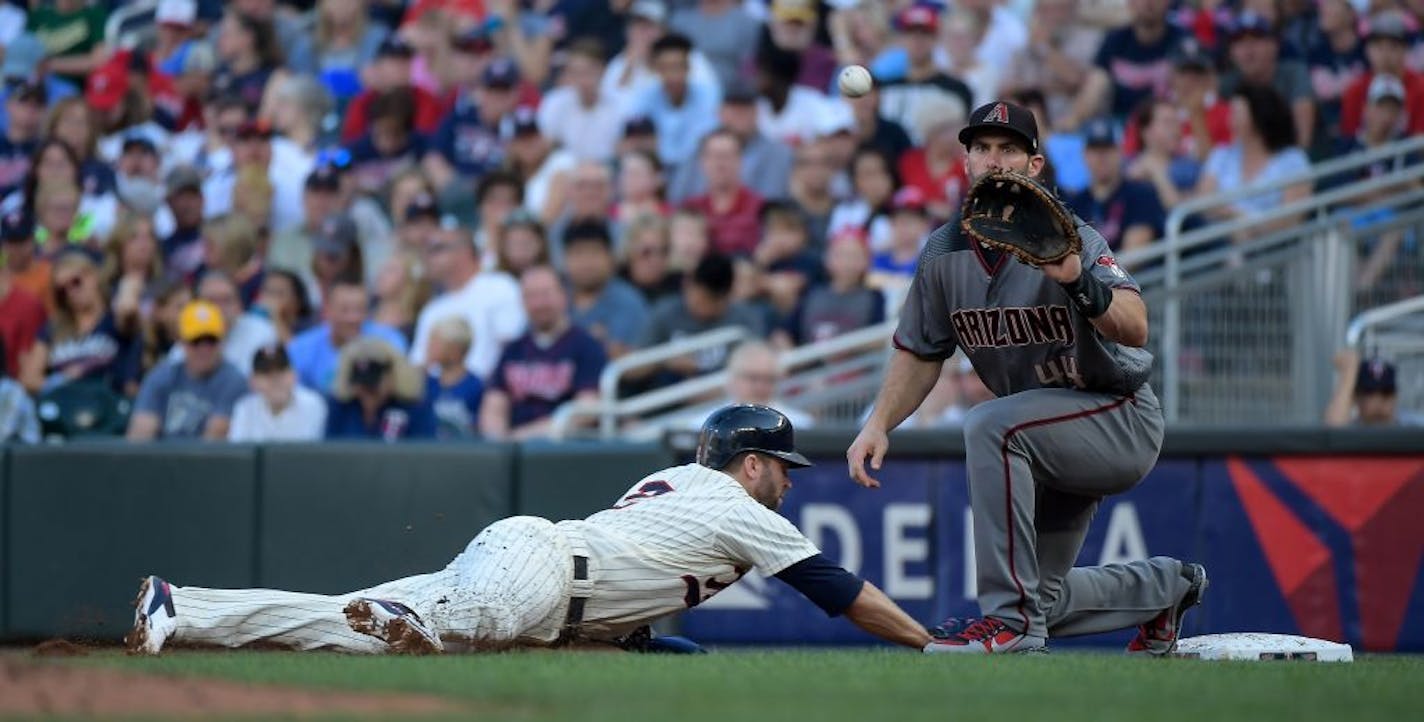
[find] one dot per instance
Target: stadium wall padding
(1310, 532)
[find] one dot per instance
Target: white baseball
(855, 81)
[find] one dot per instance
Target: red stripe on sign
(1008, 484)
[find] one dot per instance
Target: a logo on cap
(998, 114)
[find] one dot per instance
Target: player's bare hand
(1065, 271)
(871, 442)
(1346, 361)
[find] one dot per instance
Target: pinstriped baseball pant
(1039, 462)
(510, 584)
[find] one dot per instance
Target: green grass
(859, 686)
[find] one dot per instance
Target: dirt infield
(30, 687)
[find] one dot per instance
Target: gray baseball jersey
(1016, 325)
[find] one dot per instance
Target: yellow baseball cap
(789, 10)
(199, 319)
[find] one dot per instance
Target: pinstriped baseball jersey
(676, 538)
(1016, 325)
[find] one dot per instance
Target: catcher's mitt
(1015, 213)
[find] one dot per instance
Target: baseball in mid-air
(855, 81)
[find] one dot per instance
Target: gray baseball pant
(1039, 461)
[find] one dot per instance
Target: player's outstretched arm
(879, 615)
(908, 381)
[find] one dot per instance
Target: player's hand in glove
(1014, 213)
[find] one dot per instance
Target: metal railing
(128, 25)
(1395, 333)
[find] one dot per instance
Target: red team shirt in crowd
(1352, 104)
(736, 231)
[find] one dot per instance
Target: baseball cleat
(154, 617)
(395, 624)
(981, 636)
(1158, 637)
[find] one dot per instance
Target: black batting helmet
(734, 429)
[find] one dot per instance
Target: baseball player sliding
(1060, 344)
(674, 540)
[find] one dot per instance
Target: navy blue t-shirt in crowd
(469, 145)
(396, 421)
(373, 170)
(104, 354)
(1137, 71)
(1133, 203)
(457, 407)
(14, 163)
(538, 379)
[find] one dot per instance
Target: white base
(1254, 646)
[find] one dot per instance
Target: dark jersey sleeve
(925, 329)
(826, 584)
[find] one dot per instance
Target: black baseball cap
(395, 47)
(1002, 116)
(739, 92)
(27, 90)
(139, 142)
(501, 73)
(270, 358)
(1100, 132)
(17, 226)
(639, 125)
(325, 177)
(588, 232)
(1375, 377)
(423, 205)
(525, 121)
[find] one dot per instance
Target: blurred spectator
(487, 299)
(81, 341)
(639, 134)
(191, 397)
(246, 332)
(543, 168)
(73, 35)
(499, 194)
(1203, 114)
(285, 302)
(290, 28)
(230, 245)
(249, 57)
(645, 263)
(766, 163)
(600, 303)
(21, 266)
(844, 303)
(723, 30)
(867, 124)
(641, 187)
(175, 24)
(784, 264)
(964, 32)
(455, 392)
(551, 364)
(390, 70)
(1264, 152)
(160, 326)
(522, 245)
(792, 26)
(590, 199)
(470, 141)
(414, 211)
(875, 180)
(24, 109)
(902, 94)
(786, 111)
(399, 293)
(277, 408)
(252, 147)
(753, 374)
(182, 247)
(55, 165)
(705, 305)
(1133, 63)
(810, 190)
(1335, 59)
(315, 352)
(1255, 49)
(391, 146)
(631, 73)
(1387, 37)
(1160, 162)
(1057, 59)
(681, 108)
(378, 395)
(343, 41)
(132, 268)
(937, 170)
(137, 183)
(208, 150)
(299, 108)
(577, 115)
(958, 390)
(18, 422)
(60, 223)
(72, 122)
(688, 240)
(732, 210)
(1365, 393)
(1127, 213)
(22, 315)
(336, 255)
(892, 269)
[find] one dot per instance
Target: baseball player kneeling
(675, 539)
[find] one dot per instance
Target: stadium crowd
(441, 218)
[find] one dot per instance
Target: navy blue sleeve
(1144, 208)
(589, 365)
(877, 310)
(826, 584)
